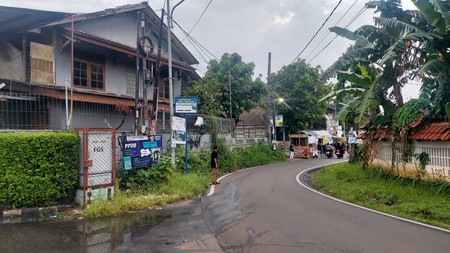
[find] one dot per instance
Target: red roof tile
(438, 131)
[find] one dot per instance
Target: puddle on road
(96, 235)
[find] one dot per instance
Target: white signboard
(178, 130)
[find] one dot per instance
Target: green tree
(297, 85)
(214, 89)
(435, 68)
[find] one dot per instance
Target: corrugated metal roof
(22, 20)
(438, 131)
(310, 132)
(254, 117)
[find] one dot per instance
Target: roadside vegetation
(161, 185)
(423, 201)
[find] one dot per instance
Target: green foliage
(179, 187)
(258, 154)
(145, 179)
(214, 89)
(423, 201)
(297, 84)
(424, 159)
(408, 113)
(37, 169)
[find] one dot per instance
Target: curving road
(265, 209)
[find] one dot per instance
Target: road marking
(361, 207)
(212, 188)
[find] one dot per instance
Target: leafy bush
(409, 112)
(199, 163)
(37, 169)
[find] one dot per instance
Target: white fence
(437, 168)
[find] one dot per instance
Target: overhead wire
(348, 24)
(329, 32)
(198, 20)
(320, 28)
(195, 41)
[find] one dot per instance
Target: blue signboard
(185, 105)
(141, 151)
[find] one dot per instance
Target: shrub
(199, 163)
(37, 169)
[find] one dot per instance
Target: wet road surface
(262, 209)
(267, 210)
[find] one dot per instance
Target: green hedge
(37, 169)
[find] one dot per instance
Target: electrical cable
(348, 24)
(198, 20)
(329, 32)
(195, 41)
(320, 28)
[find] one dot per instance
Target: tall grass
(423, 201)
(179, 188)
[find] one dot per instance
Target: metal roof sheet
(22, 20)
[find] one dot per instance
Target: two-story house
(62, 70)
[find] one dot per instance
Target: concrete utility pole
(136, 87)
(274, 134)
(146, 78)
(268, 128)
(169, 56)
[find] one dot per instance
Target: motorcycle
(339, 153)
(328, 153)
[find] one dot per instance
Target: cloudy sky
(251, 28)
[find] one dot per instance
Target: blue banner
(141, 151)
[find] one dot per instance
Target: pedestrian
(214, 165)
(291, 150)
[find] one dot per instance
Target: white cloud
(279, 20)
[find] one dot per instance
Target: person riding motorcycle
(329, 150)
(339, 150)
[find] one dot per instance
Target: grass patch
(423, 201)
(180, 187)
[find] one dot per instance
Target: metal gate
(97, 170)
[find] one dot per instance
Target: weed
(424, 201)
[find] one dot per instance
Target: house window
(131, 83)
(42, 63)
(164, 90)
(88, 75)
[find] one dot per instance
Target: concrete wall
(437, 168)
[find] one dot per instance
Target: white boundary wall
(437, 168)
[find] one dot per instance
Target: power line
(195, 41)
(320, 28)
(324, 37)
(348, 24)
(198, 20)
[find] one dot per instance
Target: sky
(251, 28)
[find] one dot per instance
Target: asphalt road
(265, 209)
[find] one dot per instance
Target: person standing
(291, 150)
(214, 165)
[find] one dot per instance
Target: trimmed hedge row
(37, 169)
